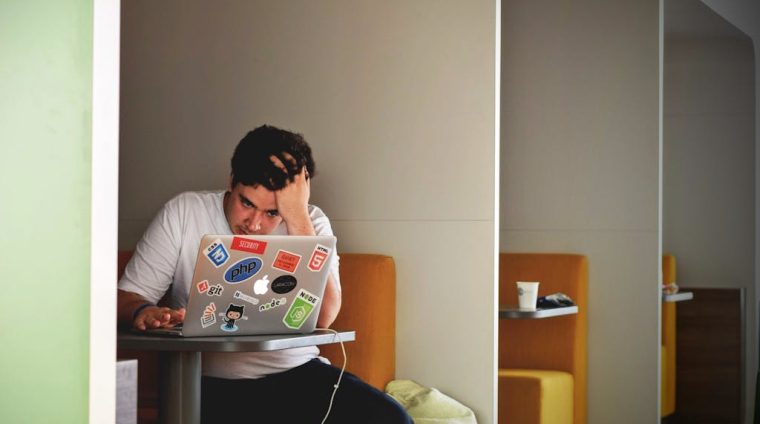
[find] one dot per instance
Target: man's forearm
(127, 303)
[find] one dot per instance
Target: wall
(709, 168)
(45, 118)
(580, 173)
(398, 102)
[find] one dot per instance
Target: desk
(181, 396)
(510, 312)
(677, 297)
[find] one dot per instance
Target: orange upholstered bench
(543, 362)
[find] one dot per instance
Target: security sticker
(284, 284)
(273, 304)
(318, 258)
(286, 261)
(216, 253)
(232, 314)
(216, 290)
(242, 270)
(248, 245)
(203, 286)
(300, 309)
(244, 297)
(209, 315)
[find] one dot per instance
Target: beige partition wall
(579, 173)
(398, 100)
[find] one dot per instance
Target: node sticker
(244, 297)
(286, 261)
(318, 258)
(248, 245)
(273, 304)
(284, 284)
(216, 253)
(300, 309)
(209, 315)
(203, 286)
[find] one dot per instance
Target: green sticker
(300, 309)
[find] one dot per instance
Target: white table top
(677, 297)
(511, 312)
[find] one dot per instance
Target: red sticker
(286, 261)
(203, 286)
(318, 258)
(248, 245)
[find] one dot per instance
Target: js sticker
(300, 309)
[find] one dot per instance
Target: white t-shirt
(165, 256)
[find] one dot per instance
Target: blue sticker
(232, 314)
(242, 270)
(216, 253)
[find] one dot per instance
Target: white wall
(398, 102)
(580, 173)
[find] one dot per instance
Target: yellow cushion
(535, 397)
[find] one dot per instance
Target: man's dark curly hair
(251, 163)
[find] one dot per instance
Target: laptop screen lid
(247, 285)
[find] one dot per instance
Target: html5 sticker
(248, 245)
(286, 261)
(318, 258)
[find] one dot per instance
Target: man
(267, 193)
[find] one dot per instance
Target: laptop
(248, 285)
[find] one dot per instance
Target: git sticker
(286, 261)
(216, 253)
(248, 245)
(209, 315)
(216, 290)
(300, 309)
(318, 258)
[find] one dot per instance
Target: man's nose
(254, 220)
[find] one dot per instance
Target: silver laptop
(246, 285)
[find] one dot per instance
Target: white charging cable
(340, 376)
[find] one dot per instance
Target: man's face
(251, 210)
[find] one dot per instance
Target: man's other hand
(158, 317)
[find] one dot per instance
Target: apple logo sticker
(261, 286)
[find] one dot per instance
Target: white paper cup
(527, 294)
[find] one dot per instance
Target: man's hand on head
(158, 317)
(293, 200)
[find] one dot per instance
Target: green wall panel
(45, 175)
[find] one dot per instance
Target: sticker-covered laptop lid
(246, 285)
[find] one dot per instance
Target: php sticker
(215, 290)
(209, 315)
(273, 304)
(318, 258)
(231, 315)
(242, 270)
(248, 245)
(300, 309)
(216, 253)
(244, 297)
(203, 286)
(284, 284)
(286, 261)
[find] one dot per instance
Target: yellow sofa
(668, 354)
(543, 362)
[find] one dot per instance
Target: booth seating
(543, 362)
(668, 353)
(368, 283)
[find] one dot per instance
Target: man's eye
(246, 203)
(273, 214)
